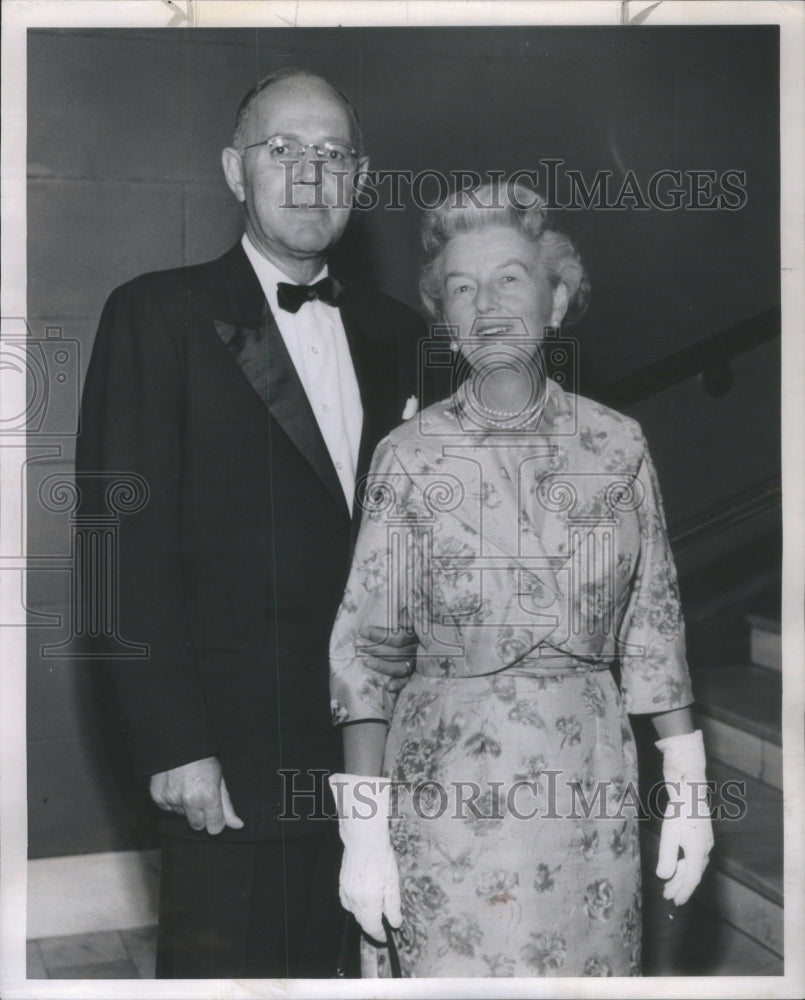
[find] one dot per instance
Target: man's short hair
(290, 73)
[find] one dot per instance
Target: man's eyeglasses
(284, 149)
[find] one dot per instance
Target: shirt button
(339, 466)
(326, 407)
(315, 350)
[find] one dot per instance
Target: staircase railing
(708, 358)
(753, 501)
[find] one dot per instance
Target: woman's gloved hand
(687, 823)
(369, 884)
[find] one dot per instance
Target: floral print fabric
(526, 564)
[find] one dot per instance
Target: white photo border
(18, 16)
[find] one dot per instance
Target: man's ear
(561, 300)
(360, 177)
(233, 171)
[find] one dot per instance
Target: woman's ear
(561, 300)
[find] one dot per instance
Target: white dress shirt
(316, 341)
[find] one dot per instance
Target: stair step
(765, 642)
(739, 708)
(743, 884)
(749, 848)
(743, 695)
(741, 955)
(749, 912)
(728, 744)
(696, 940)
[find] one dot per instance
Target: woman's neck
(507, 392)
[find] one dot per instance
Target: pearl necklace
(500, 413)
(519, 417)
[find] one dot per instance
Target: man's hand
(197, 791)
(392, 655)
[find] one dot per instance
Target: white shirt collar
(268, 274)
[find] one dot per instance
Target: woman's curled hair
(500, 204)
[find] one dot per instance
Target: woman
(517, 531)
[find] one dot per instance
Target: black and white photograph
(402, 522)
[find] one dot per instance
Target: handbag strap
(342, 969)
(394, 958)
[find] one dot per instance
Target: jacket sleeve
(654, 670)
(133, 422)
(375, 596)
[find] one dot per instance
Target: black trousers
(251, 910)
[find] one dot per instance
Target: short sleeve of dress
(374, 597)
(654, 670)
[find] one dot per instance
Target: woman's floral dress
(527, 563)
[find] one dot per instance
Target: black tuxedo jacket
(233, 571)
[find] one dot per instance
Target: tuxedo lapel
(290, 407)
(247, 348)
(254, 342)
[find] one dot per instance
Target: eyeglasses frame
(319, 147)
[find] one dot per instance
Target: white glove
(369, 884)
(687, 822)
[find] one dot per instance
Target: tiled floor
(131, 954)
(686, 941)
(110, 955)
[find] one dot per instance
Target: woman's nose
(485, 299)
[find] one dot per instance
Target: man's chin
(312, 239)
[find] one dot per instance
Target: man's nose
(309, 167)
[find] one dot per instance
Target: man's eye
(279, 150)
(334, 155)
(507, 278)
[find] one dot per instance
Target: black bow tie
(292, 297)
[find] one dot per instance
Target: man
(249, 408)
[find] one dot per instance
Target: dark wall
(124, 133)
